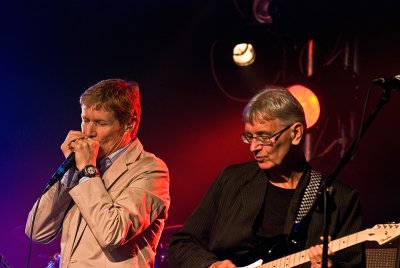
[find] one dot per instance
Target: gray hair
(274, 103)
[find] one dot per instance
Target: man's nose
(255, 145)
(89, 130)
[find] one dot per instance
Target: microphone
(62, 169)
(392, 82)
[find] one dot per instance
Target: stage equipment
(309, 101)
(244, 54)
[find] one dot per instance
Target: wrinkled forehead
(264, 122)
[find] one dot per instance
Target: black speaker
(386, 256)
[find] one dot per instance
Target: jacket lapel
(295, 202)
(255, 193)
(120, 165)
(79, 232)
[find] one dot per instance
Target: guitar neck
(302, 256)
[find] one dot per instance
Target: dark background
(51, 51)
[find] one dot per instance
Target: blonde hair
(118, 96)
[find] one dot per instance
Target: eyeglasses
(264, 140)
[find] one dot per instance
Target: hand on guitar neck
(315, 255)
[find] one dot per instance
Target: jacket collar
(120, 165)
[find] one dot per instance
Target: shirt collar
(108, 160)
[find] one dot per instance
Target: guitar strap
(309, 197)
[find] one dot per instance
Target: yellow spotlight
(244, 54)
(309, 101)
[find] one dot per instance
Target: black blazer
(222, 223)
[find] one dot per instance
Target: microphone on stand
(392, 82)
(62, 169)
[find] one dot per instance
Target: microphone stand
(324, 189)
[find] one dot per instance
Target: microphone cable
(57, 176)
(31, 230)
(2, 261)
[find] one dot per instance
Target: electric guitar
(381, 233)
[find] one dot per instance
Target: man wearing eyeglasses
(267, 208)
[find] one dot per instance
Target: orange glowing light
(309, 101)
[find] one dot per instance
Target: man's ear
(297, 133)
(129, 127)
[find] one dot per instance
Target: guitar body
(254, 265)
(266, 250)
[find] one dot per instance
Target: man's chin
(264, 164)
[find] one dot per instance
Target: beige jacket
(113, 221)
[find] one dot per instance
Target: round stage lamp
(244, 54)
(309, 101)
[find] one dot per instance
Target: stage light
(309, 101)
(244, 54)
(261, 11)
